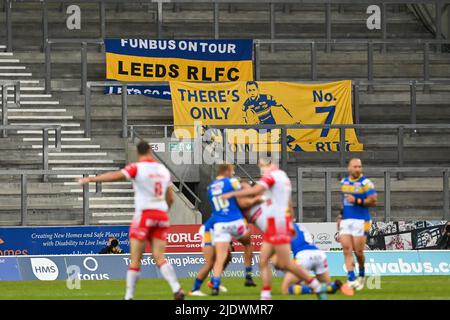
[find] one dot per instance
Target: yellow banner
(252, 103)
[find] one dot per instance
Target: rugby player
(358, 194)
(276, 188)
(153, 198)
(312, 259)
(228, 221)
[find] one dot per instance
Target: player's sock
(332, 287)
(132, 278)
(314, 284)
(351, 276)
(168, 273)
(266, 293)
(215, 282)
(362, 272)
(197, 284)
(299, 289)
(248, 272)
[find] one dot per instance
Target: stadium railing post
(446, 195)
(272, 26)
(313, 61)
(102, 15)
(328, 27)
(8, 18)
(44, 24)
(370, 66)
(23, 199)
(383, 27)
(342, 146)
(159, 19)
(413, 99)
(48, 67)
(86, 202)
(328, 194)
(4, 90)
(124, 111)
(387, 196)
(284, 155)
(45, 153)
(216, 20)
(438, 20)
(356, 101)
(400, 150)
(426, 66)
(257, 60)
(87, 112)
(299, 195)
(17, 94)
(83, 67)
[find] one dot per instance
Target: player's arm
(106, 177)
(249, 192)
(169, 197)
(247, 202)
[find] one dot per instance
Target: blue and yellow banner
(269, 103)
(181, 60)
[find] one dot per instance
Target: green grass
(407, 287)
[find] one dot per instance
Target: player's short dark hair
(223, 167)
(143, 148)
(252, 83)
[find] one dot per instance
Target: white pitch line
(69, 176)
(6, 53)
(29, 81)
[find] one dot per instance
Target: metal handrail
(45, 140)
(387, 187)
(24, 188)
(215, 8)
(182, 183)
(412, 84)
(4, 84)
(132, 131)
(342, 141)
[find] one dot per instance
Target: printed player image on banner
(182, 60)
(267, 103)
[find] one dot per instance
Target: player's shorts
(312, 260)
(150, 224)
(354, 227)
(225, 231)
(279, 230)
(206, 232)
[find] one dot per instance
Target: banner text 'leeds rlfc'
(182, 60)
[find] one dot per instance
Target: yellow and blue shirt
(224, 210)
(262, 107)
(360, 188)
